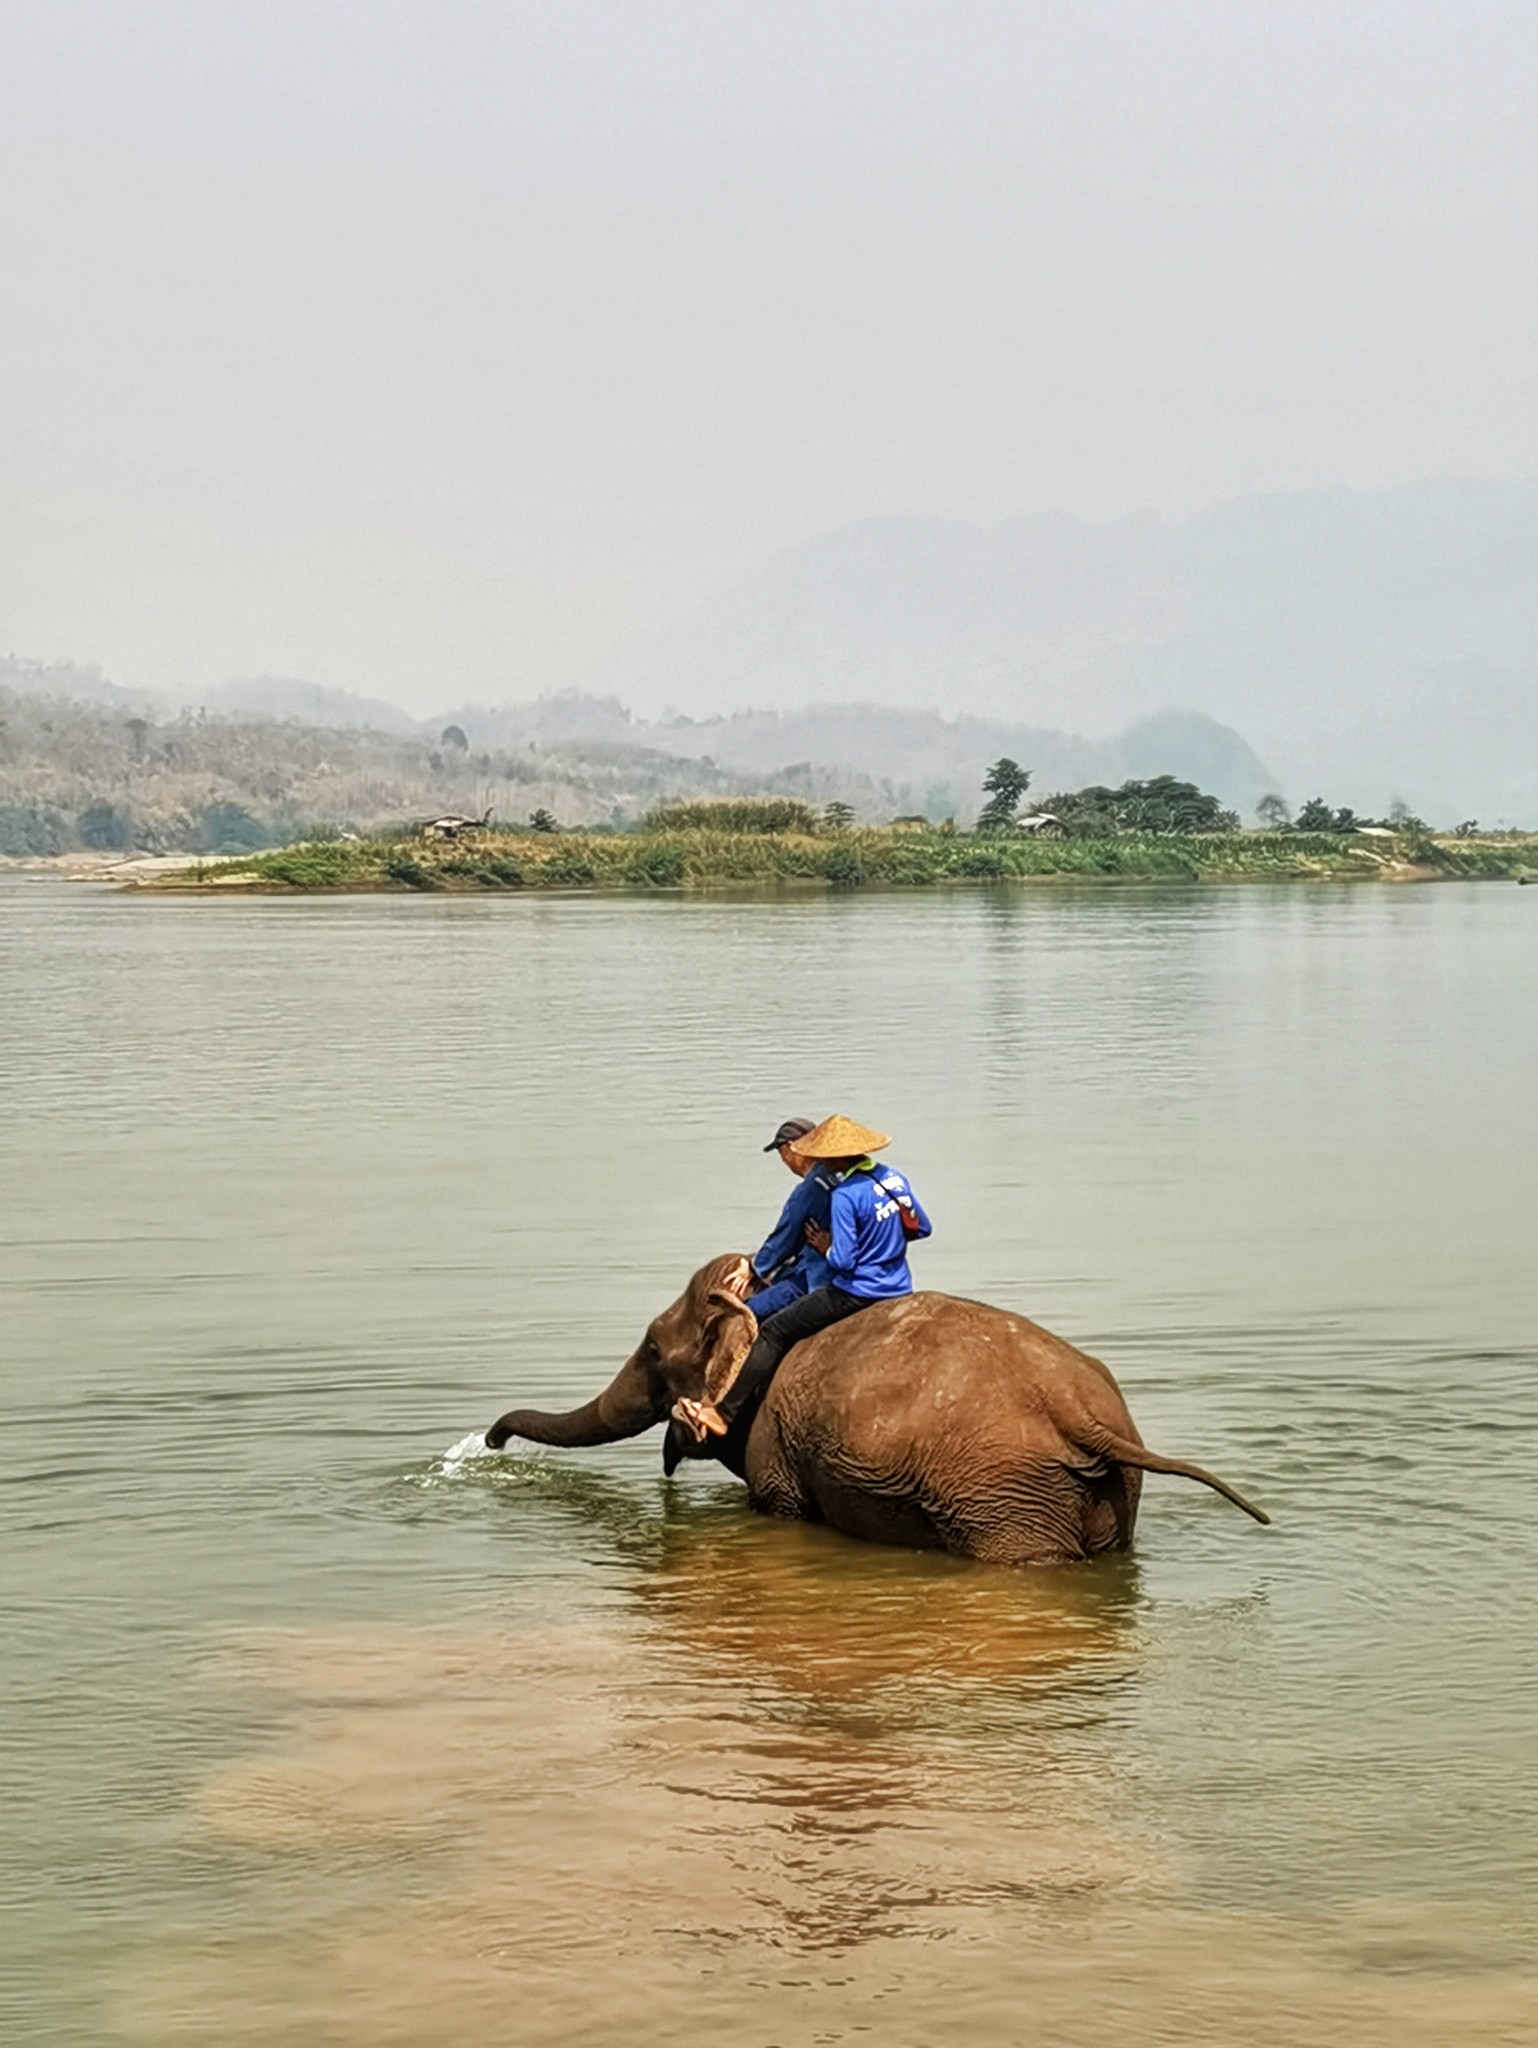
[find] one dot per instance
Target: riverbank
(90, 865)
(895, 858)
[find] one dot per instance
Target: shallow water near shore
(321, 1728)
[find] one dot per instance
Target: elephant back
(930, 1363)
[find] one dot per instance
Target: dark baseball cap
(793, 1127)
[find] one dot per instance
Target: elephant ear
(729, 1336)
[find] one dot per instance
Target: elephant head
(693, 1348)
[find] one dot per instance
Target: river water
(315, 1733)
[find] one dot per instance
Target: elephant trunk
(632, 1401)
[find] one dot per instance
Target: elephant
(928, 1421)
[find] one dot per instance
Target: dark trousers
(804, 1318)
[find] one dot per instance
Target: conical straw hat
(840, 1137)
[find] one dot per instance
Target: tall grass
(734, 814)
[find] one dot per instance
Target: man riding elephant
(787, 1265)
(923, 1420)
(873, 1217)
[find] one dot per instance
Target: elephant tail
(1125, 1452)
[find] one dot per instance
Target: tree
(1273, 813)
(1316, 816)
(838, 817)
(1403, 819)
(104, 827)
(454, 736)
(1005, 784)
(230, 828)
(543, 821)
(1161, 804)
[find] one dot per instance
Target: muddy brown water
(315, 1734)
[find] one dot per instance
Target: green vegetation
(1317, 816)
(1163, 804)
(1004, 785)
(772, 814)
(842, 858)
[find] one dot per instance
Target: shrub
(569, 870)
(911, 866)
(104, 827)
(405, 868)
(983, 861)
(230, 828)
(319, 864)
(735, 814)
(28, 828)
(656, 867)
(1316, 816)
(488, 869)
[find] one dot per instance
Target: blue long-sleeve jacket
(786, 1247)
(869, 1255)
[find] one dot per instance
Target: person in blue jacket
(787, 1265)
(873, 1217)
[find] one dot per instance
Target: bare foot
(699, 1418)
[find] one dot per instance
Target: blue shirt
(808, 1202)
(869, 1256)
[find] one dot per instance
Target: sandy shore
(107, 867)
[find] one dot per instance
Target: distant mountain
(902, 760)
(71, 681)
(1368, 644)
(1361, 646)
(545, 721)
(310, 703)
(935, 764)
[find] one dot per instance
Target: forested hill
(108, 768)
(96, 775)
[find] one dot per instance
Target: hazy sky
(433, 349)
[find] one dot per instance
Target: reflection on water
(782, 1751)
(875, 1789)
(826, 1620)
(313, 1734)
(604, 1835)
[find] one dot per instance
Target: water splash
(471, 1450)
(465, 1451)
